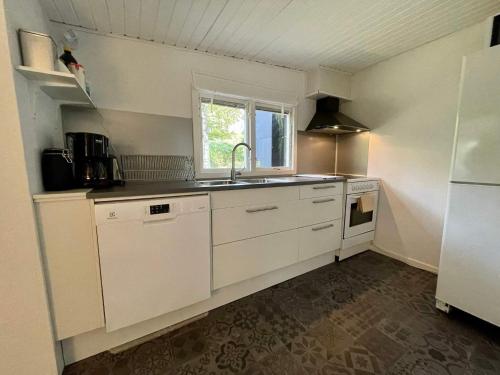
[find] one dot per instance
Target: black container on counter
(57, 169)
(90, 153)
(87, 145)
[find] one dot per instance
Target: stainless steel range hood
(329, 120)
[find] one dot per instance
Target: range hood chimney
(329, 120)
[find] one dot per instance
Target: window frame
(251, 168)
(278, 108)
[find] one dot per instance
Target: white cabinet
(245, 197)
(318, 239)
(319, 210)
(71, 262)
(255, 231)
(321, 207)
(321, 190)
(241, 260)
(237, 223)
(322, 82)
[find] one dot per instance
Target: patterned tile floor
(367, 315)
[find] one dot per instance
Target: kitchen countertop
(151, 188)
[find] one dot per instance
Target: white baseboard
(410, 261)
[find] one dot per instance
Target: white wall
(26, 341)
(131, 75)
(410, 102)
(132, 132)
(40, 115)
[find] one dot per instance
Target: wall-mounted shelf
(323, 94)
(318, 95)
(61, 86)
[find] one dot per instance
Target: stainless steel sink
(221, 182)
(244, 181)
(264, 180)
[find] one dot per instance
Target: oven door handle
(355, 196)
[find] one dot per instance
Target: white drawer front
(238, 223)
(319, 210)
(318, 239)
(321, 190)
(245, 197)
(241, 260)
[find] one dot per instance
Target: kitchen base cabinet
(289, 231)
(321, 190)
(71, 263)
(319, 239)
(238, 223)
(241, 260)
(320, 210)
(245, 197)
(255, 231)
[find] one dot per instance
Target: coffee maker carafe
(90, 153)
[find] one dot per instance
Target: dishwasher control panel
(159, 209)
(150, 209)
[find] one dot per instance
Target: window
(272, 138)
(222, 122)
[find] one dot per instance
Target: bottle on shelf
(67, 57)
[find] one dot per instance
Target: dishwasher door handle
(260, 209)
(159, 221)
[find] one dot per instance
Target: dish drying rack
(157, 167)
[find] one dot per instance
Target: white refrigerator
(469, 269)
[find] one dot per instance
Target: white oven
(358, 219)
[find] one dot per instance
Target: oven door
(356, 221)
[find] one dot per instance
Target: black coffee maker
(90, 153)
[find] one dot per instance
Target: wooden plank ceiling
(349, 35)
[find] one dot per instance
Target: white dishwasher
(154, 255)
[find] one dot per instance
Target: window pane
(272, 137)
(224, 125)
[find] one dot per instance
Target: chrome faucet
(233, 169)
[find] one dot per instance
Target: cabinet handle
(268, 208)
(324, 187)
(321, 228)
(324, 200)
